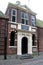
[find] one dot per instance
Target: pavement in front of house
(37, 60)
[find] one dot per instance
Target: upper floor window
(33, 20)
(24, 17)
(14, 15)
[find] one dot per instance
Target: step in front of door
(25, 56)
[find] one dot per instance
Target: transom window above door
(14, 15)
(24, 18)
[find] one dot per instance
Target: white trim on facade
(13, 15)
(34, 46)
(12, 46)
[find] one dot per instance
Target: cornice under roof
(22, 7)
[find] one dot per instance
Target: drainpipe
(5, 38)
(38, 40)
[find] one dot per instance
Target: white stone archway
(19, 44)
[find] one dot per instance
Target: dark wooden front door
(24, 45)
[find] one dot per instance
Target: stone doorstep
(25, 56)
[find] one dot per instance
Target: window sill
(13, 22)
(12, 46)
(34, 46)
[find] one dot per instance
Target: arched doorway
(12, 38)
(24, 45)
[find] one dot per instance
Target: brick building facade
(3, 31)
(21, 31)
(40, 38)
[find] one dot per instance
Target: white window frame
(13, 15)
(24, 17)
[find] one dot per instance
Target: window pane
(33, 20)
(26, 21)
(14, 12)
(23, 27)
(33, 23)
(22, 21)
(26, 15)
(12, 38)
(22, 14)
(33, 40)
(13, 18)
(32, 17)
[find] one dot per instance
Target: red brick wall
(3, 27)
(10, 50)
(40, 36)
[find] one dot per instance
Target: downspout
(5, 44)
(38, 40)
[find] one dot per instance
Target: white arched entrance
(24, 43)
